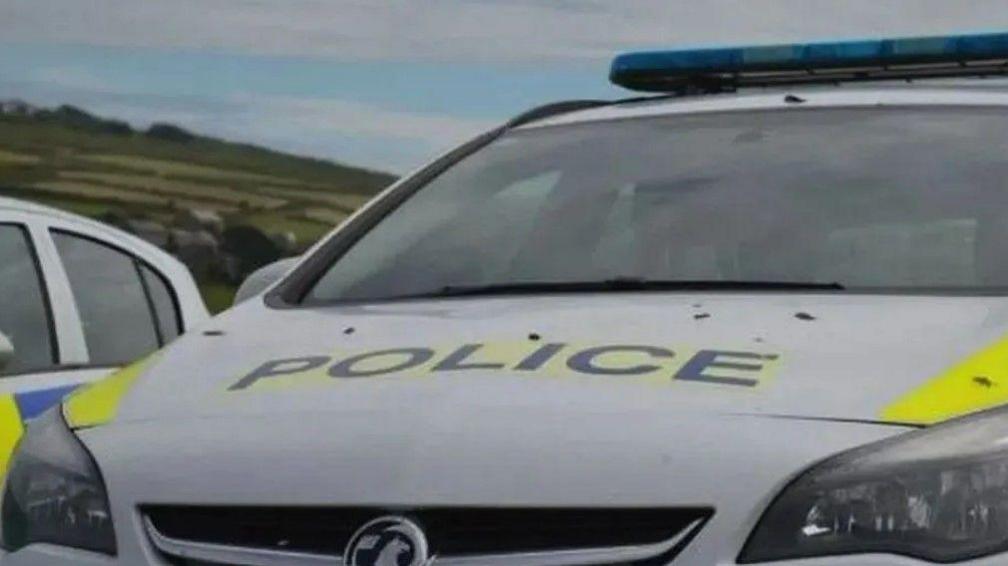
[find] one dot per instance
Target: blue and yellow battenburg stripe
(85, 405)
(17, 408)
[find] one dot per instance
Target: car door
(76, 306)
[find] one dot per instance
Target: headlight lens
(939, 494)
(54, 493)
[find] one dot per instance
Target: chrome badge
(387, 541)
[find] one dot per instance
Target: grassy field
(163, 168)
(95, 167)
(10, 158)
(67, 160)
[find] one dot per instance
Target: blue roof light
(879, 59)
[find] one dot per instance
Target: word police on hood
(551, 359)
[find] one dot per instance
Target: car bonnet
(897, 359)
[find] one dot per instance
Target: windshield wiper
(622, 284)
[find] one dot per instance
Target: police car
(759, 317)
(79, 300)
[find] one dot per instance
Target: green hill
(71, 159)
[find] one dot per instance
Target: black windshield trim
(904, 292)
(619, 285)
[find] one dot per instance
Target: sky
(389, 84)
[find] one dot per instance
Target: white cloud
(355, 118)
(495, 30)
(68, 77)
(384, 138)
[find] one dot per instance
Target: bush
(170, 132)
(78, 119)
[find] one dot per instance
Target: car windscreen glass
(897, 199)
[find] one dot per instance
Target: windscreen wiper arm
(624, 284)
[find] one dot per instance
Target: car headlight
(939, 494)
(54, 492)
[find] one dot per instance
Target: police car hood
(907, 359)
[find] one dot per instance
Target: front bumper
(734, 465)
(47, 555)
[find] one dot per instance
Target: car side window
(163, 302)
(24, 317)
(119, 324)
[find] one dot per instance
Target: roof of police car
(979, 92)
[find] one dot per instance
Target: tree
(170, 132)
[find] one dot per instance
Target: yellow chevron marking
(11, 430)
(98, 404)
(976, 383)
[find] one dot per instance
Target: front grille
(451, 532)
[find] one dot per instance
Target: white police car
(78, 300)
(702, 328)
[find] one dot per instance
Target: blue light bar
(880, 59)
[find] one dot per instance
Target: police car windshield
(896, 199)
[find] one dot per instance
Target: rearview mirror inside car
(6, 351)
(262, 278)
